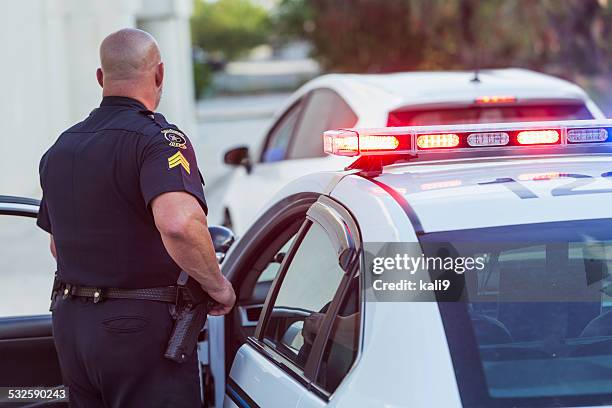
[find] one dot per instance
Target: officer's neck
(147, 98)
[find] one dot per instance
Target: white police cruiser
(533, 327)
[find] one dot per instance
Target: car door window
(307, 289)
(271, 270)
(342, 345)
(278, 140)
(324, 110)
(26, 267)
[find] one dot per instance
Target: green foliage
(229, 27)
(570, 37)
(202, 78)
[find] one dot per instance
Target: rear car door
(27, 267)
(289, 353)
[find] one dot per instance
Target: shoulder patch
(178, 159)
(175, 138)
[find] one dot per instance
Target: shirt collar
(122, 101)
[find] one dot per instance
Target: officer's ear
(100, 77)
(159, 74)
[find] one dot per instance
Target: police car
(310, 329)
(292, 146)
(533, 327)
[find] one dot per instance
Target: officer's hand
(225, 299)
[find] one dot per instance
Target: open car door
(28, 354)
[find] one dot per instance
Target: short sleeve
(43, 220)
(169, 164)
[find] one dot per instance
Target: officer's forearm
(192, 249)
(184, 231)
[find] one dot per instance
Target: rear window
(488, 114)
(534, 327)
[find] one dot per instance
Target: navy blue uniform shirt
(98, 181)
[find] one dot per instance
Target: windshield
(488, 114)
(534, 326)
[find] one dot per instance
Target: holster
(190, 313)
(54, 291)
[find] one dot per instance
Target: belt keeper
(97, 296)
(67, 292)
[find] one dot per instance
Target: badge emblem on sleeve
(175, 138)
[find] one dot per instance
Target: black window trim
(297, 104)
(308, 376)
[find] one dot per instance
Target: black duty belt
(167, 294)
(191, 306)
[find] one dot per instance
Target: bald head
(128, 54)
(131, 66)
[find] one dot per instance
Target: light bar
(587, 135)
(350, 143)
(437, 141)
(533, 137)
(481, 140)
(495, 99)
(372, 143)
(488, 139)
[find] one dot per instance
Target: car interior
(253, 289)
(543, 310)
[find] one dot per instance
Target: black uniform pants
(111, 355)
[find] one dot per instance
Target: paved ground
(26, 267)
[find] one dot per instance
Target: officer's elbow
(180, 227)
(178, 217)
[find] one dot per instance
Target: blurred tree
(569, 37)
(229, 27)
(224, 30)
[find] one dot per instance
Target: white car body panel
(253, 372)
(404, 359)
(380, 217)
(372, 97)
(479, 206)
(400, 365)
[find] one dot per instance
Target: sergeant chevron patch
(178, 159)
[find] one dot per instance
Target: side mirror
(222, 239)
(239, 156)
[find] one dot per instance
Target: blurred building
(47, 76)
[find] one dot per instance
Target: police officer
(124, 204)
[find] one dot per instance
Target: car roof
(428, 86)
(479, 193)
(372, 96)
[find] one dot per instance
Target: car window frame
(19, 206)
(339, 225)
(306, 101)
(297, 104)
(13, 206)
